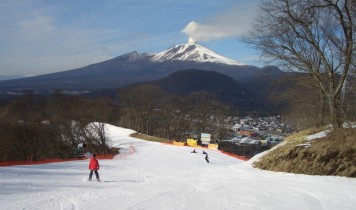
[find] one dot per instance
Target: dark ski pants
(96, 174)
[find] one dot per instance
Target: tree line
(36, 126)
(305, 107)
(150, 110)
(52, 126)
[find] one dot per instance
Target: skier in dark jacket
(207, 158)
(204, 152)
(94, 167)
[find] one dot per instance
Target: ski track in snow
(158, 176)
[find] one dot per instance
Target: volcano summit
(192, 52)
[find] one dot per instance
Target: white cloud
(232, 23)
(198, 32)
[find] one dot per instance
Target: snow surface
(192, 52)
(319, 135)
(160, 176)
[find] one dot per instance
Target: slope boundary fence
(48, 160)
(227, 153)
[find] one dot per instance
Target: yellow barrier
(212, 146)
(192, 142)
(178, 143)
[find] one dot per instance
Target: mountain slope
(187, 81)
(119, 72)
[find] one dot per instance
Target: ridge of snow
(192, 52)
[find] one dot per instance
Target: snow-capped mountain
(184, 52)
(136, 67)
(192, 52)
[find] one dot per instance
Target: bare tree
(96, 134)
(141, 102)
(305, 104)
(171, 118)
(314, 37)
(206, 112)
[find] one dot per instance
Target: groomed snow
(159, 176)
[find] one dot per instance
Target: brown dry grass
(149, 138)
(332, 155)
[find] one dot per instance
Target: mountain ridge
(130, 68)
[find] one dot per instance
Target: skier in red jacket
(94, 167)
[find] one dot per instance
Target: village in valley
(261, 130)
(249, 136)
(254, 135)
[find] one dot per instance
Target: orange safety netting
(235, 156)
(51, 160)
(227, 153)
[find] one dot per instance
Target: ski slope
(159, 176)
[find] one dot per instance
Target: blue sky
(45, 36)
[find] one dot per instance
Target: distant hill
(193, 80)
(185, 82)
(10, 77)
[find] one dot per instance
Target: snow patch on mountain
(192, 52)
(134, 56)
